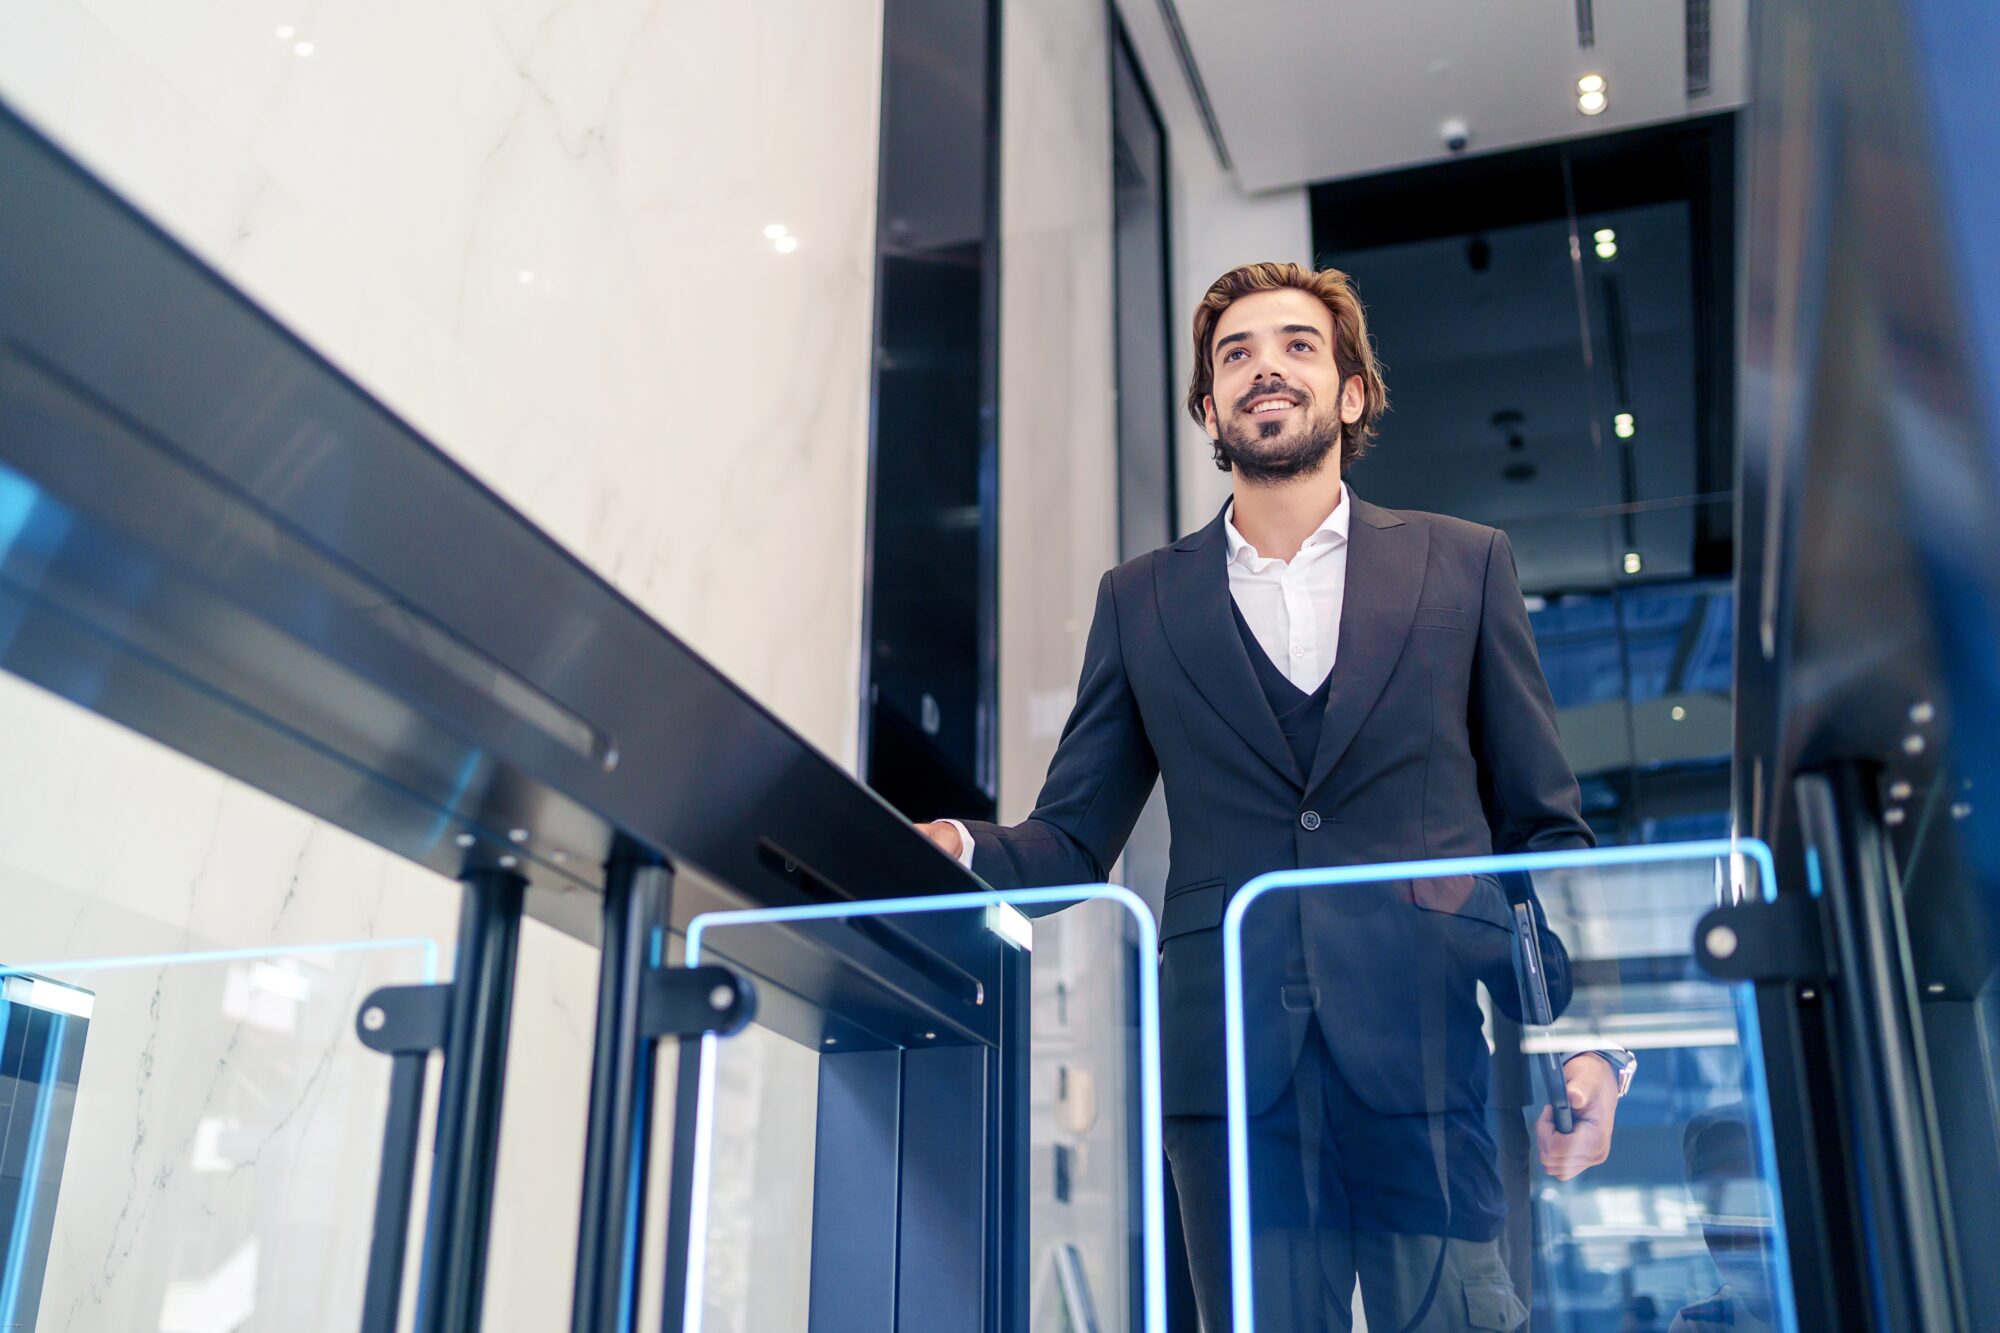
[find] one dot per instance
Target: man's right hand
(945, 836)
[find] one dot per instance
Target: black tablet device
(1537, 1010)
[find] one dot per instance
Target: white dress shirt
(1292, 607)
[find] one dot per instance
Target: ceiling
(1460, 344)
(1314, 90)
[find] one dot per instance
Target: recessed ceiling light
(1603, 235)
(1633, 564)
(525, 276)
(774, 231)
(1592, 104)
(1623, 426)
(1607, 250)
(303, 49)
(286, 32)
(1590, 83)
(786, 244)
(1680, 714)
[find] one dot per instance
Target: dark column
(946, 1239)
(856, 1168)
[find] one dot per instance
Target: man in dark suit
(1321, 682)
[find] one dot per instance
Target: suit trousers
(1343, 1195)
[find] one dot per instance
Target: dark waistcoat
(1298, 713)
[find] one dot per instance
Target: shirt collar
(1333, 527)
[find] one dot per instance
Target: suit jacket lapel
(1194, 607)
(1385, 577)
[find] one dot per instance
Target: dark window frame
(1120, 48)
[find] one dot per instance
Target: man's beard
(1257, 457)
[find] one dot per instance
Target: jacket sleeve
(1098, 782)
(1530, 794)
(1525, 783)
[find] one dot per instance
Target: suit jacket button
(1309, 820)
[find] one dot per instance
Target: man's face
(1277, 401)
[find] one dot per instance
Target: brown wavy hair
(1353, 353)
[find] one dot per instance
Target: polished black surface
(211, 535)
(930, 674)
(1148, 406)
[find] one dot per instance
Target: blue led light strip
(1724, 849)
(1151, 1151)
(31, 1182)
(64, 966)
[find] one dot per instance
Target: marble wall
(1058, 404)
(546, 232)
(1058, 534)
(537, 230)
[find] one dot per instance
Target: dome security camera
(1456, 135)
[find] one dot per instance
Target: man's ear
(1208, 412)
(1353, 398)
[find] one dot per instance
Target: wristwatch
(1623, 1063)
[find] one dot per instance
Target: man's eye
(1302, 345)
(1232, 354)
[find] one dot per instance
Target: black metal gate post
(610, 1233)
(1898, 1157)
(468, 1130)
(407, 1023)
(688, 1004)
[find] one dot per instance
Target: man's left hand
(1593, 1100)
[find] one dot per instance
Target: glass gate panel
(946, 1115)
(1422, 1130)
(188, 1138)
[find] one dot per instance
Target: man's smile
(1271, 404)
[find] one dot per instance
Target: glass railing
(946, 1116)
(1420, 1134)
(188, 1137)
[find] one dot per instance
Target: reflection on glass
(906, 1054)
(1641, 680)
(205, 1158)
(1397, 1097)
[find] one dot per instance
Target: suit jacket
(1439, 739)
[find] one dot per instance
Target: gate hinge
(692, 1001)
(1781, 940)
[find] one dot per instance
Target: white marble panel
(1058, 534)
(537, 230)
(1058, 390)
